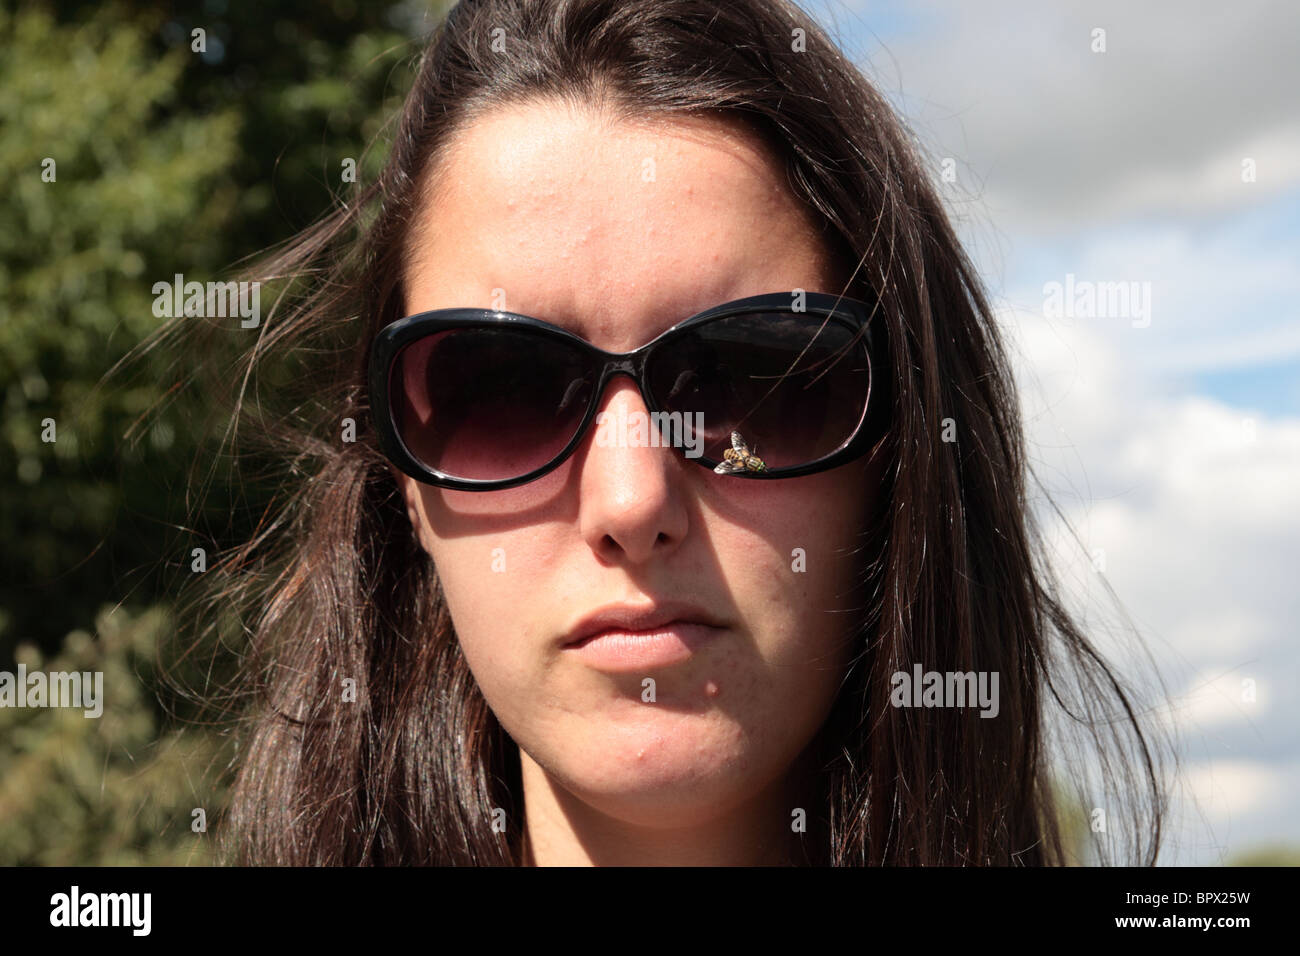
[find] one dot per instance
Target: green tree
(130, 155)
(104, 193)
(113, 790)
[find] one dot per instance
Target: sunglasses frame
(389, 341)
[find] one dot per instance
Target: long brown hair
(334, 586)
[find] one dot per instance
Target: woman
(508, 626)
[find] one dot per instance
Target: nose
(632, 495)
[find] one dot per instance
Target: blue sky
(1173, 447)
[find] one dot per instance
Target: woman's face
(617, 232)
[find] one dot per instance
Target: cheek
(791, 555)
(792, 581)
(491, 590)
(494, 579)
(780, 554)
(803, 533)
(490, 581)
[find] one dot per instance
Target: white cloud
(1195, 505)
(1195, 511)
(1048, 132)
(1228, 806)
(1213, 698)
(1228, 788)
(1226, 299)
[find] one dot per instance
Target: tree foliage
(130, 153)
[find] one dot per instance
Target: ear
(409, 489)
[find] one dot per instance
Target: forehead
(616, 230)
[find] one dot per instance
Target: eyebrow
(574, 324)
(571, 321)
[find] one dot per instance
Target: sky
(1164, 424)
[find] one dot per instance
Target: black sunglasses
(770, 386)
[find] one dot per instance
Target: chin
(661, 779)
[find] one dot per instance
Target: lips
(644, 618)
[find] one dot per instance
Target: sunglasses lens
(488, 404)
(794, 385)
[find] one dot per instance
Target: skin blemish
(711, 688)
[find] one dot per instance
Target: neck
(563, 830)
